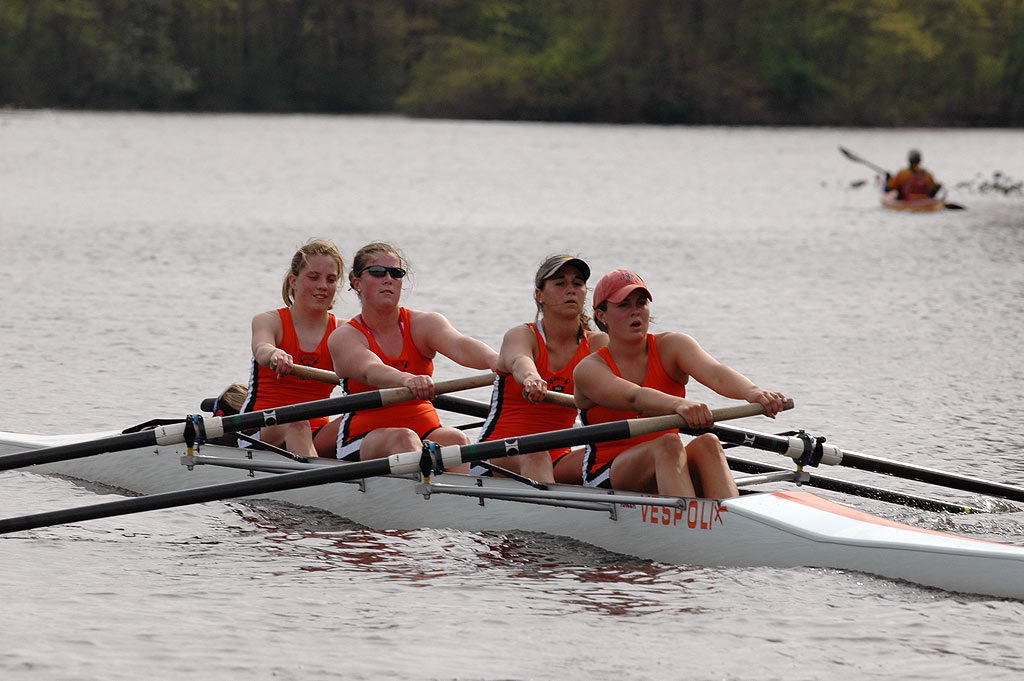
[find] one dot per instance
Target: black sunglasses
(379, 271)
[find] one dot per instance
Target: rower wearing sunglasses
(389, 346)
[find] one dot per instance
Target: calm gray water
(136, 248)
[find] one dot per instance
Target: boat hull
(923, 205)
(777, 529)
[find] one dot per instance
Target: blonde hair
(301, 259)
(234, 396)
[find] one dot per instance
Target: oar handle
(656, 424)
(721, 414)
(394, 395)
(314, 374)
(743, 410)
(560, 399)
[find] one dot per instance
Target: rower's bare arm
(517, 357)
(736, 385)
(353, 359)
(518, 342)
(691, 358)
(438, 333)
(266, 334)
(596, 383)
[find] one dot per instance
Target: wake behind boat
(776, 529)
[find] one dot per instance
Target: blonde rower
(297, 334)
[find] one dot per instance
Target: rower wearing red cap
(644, 374)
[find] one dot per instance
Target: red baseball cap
(616, 285)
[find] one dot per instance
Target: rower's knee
(670, 449)
(403, 440)
(670, 442)
(448, 436)
(706, 446)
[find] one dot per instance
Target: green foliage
(846, 62)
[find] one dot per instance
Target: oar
(807, 450)
(857, 159)
(856, 489)
(324, 376)
(462, 405)
(202, 428)
(430, 459)
(314, 374)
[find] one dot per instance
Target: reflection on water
(574, 573)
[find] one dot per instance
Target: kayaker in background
(913, 182)
(643, 374)
(541, 356)
(297, 334)
(388, 346)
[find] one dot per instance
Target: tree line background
(835, 62)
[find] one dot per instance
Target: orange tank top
(417, 415)
(512, 414)
(599, 456)
(266, 390)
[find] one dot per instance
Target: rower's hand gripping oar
(200, 428)
(432, 458)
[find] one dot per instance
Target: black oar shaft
(174, 433)
(791, 447)
(397, 464)
(304, 411)
(856, 489)
(462, 405)
(207, 428)
(145, 438)
(555, 439)
(932, 476)
(616, 430)
(749, 438)
(199, 495)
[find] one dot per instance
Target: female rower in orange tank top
(625, 381)
(309, 291)
(389, 346)
(535, 358)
